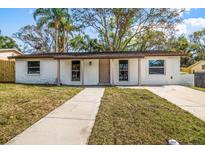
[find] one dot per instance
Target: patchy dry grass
(131, 116)
(23, 105)
(199, 88)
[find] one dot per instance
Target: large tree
(116, 28)
(7, 42)
(36, 40)
(197, 43)
(51, 18)
(85, 43)
(66, 29)
(52, 32)
(182, 44)
(149, 40)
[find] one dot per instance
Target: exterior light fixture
(90, 63)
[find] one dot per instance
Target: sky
(11, 20)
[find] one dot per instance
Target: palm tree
(51, 18)
(67, 28)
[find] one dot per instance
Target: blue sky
(194, 13)
(13, 19)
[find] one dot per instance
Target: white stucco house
(102, 68)
(5, 53)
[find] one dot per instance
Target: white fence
(186, 79)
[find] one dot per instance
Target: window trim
(34, 67)
(75, 71)
(123, 70)
(203, 67)
(157, 66)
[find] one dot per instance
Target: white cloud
(187, 9)
(191, 25)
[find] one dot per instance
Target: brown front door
(104, 71)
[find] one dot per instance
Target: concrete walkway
(71, 123)
(186, 98)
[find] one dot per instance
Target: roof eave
(24, 57)
(12, 49)
(100, 56)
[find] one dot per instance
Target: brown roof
(101, 55)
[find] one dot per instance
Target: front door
(104, 71)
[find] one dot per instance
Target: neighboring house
(5, 53)
(196, 67)
(101, 68)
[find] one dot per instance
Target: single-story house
(101, 68)
(196, 67)
(5, 53)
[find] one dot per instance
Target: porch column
(58, 72)
(82, 71)
(112, 72)
(139, 71)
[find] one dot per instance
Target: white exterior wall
(91, 72)
(132, 72)
(171, 76)
(48, 72)
(5, 55)
(65, 73)
(172, 71)
(48, 69)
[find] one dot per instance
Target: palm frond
(43, 21)
(41, 12)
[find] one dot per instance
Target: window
(33, 67)
(123, 70)
(156, 67)
(203, 67)
(75, 70)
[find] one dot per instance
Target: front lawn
(23, 105)
(132, 116)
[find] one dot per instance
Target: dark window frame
(76, 71)
(30, 68)
(124, 70)
(161, 69)
(203, 67)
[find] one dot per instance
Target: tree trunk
(65, 41)
(56, 40)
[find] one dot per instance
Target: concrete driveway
(186, 98)
(71, 123)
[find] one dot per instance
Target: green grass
(199, 88)
(131, 116)
(182, 73)
(23, 105)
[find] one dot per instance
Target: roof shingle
(101, 55)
